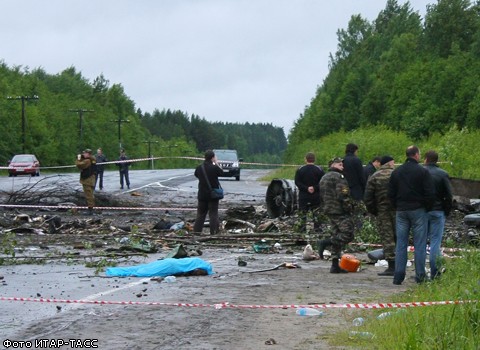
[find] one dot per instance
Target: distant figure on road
(123, 168)
(101, 158)
(87, 164)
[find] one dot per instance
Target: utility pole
(169, 148)
(120, 121)
(23, 99)
(149, 150)
(80, 112)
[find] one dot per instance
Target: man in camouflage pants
(378, 204)
(338, 207)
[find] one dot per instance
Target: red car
(24, 164)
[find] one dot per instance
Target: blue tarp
(165, 267)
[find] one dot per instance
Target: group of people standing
(411, 198)
(91, 172)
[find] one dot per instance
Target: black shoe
(390, 271)
(397, 282)
(387, 272)
(336, 267)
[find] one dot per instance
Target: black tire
(237, 178)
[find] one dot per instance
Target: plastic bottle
(384, 315)
(308, 311)
(177, 226)
(359, 321)
(170, 279)
(366, 335)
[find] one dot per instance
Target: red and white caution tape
(27, 206)
(226, 305)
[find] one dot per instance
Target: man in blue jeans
(441, 208)
(412, 194)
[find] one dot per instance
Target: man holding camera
(87, 164)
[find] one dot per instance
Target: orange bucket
(350, 263)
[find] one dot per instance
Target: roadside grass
(453, 326)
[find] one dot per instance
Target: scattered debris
(309, 254)
(285, 264)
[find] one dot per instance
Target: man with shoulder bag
(209, 193)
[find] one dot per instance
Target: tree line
(414, 76)
(399, 80)
(57, 115)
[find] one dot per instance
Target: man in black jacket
(205, 203)
(307, 179)
(353, 171)
(411, 191)
(441, 208)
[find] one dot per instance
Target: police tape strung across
(227, 305)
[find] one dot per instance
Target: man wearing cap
(337, 205)
(411, 192)
(87, 164)
(378, 204)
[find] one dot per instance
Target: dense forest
(56, 115)
(399, 73)
(397, 80)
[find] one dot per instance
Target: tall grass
(457, 149)
(454, 326)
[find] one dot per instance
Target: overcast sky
(257, 61)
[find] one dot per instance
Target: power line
(80, 112)
(120, 121)
(23, 99)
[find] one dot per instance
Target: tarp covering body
(165, 267)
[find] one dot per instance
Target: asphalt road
(57, 280)
(163, 180)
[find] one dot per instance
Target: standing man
(307, 179)
(442, 206)
(411, 192)
(207, 172)
(101, 158)
(87, 164)
(353, 171)
(337, 206)
(123, 168)
(371, 167)
(378, 204)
